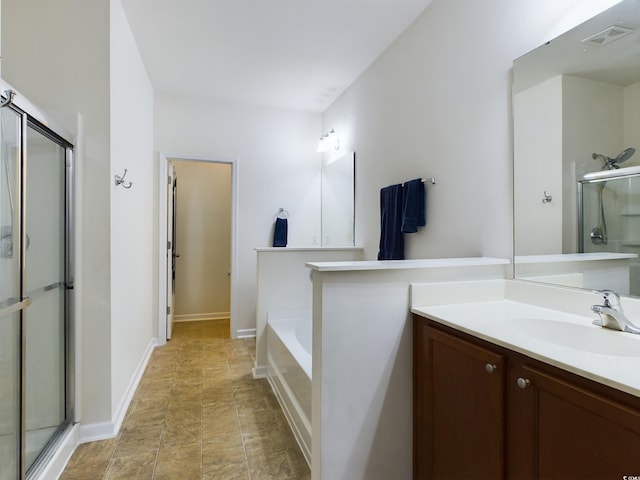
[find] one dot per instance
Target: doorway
(197, 257)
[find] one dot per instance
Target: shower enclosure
(609, 215)
(36, 286)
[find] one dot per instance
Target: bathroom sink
(577, 336)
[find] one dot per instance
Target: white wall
(277, 167)
(64, 66)
(538, 147)
(134, 302)
(632, 120)
(437, 103)
(203, 240)
(44, 66)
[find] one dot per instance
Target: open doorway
(197, 230)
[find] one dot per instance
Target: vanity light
(329, 141)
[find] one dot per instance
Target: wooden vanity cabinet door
(560, 430)
(459, 407)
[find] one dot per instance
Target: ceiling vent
(608, 35)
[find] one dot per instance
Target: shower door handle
(14, 307)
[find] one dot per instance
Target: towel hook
(547, 198)
(9, 94)
(282, 213)
(119, 180)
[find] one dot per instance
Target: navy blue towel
(280, 232)
(413, 206)
(391, 238)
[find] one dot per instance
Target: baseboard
(92, 432)
(121, 411)
(198, 317)
(259, 371)
(246, 333)
(103, 430)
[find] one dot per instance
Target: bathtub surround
(284, 284)
(362, 345)
(289, 339)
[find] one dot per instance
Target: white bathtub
(289, 370)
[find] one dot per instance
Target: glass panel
(45, 324)
(10, 395)
(337, 201)
(9, 212)
(10, 338)
(611, 223)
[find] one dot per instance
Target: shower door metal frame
(597, 177)
(31, 117)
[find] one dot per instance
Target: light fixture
(329, 141)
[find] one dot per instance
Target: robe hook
(9, 94)
(119, 180)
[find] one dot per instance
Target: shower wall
(632, 117)
(621, 202)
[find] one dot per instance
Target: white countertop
(306, 249)
(574, 257)
(405, 264)
(562, 339)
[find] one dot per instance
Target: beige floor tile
(259, 421)
(198, 413)
(146, 419)
(185, 415)
(222, 437)
(219, 422)
(180, 434)
(263, 443)
(276, 465)
(86, 471)
(228, 471)
(224, 464)
(132, 467)
(183, 463)
(138, 441)
(94, 452)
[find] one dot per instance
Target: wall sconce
(329, 141)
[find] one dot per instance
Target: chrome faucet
(611, 315)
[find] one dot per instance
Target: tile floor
(197, 414)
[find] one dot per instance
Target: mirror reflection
(576, 109)
(337, 202)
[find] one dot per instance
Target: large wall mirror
(338, 188)
(576, 109)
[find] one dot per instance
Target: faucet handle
(611, 298)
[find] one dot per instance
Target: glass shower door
(11, 301)
(46, 393)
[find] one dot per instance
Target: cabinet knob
(523, 383)
(490, 367)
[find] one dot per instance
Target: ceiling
(617, 62)
(294, 54)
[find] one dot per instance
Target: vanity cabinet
(483, 411)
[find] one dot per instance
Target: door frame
(164, 159)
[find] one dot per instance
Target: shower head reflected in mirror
(612, 163)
